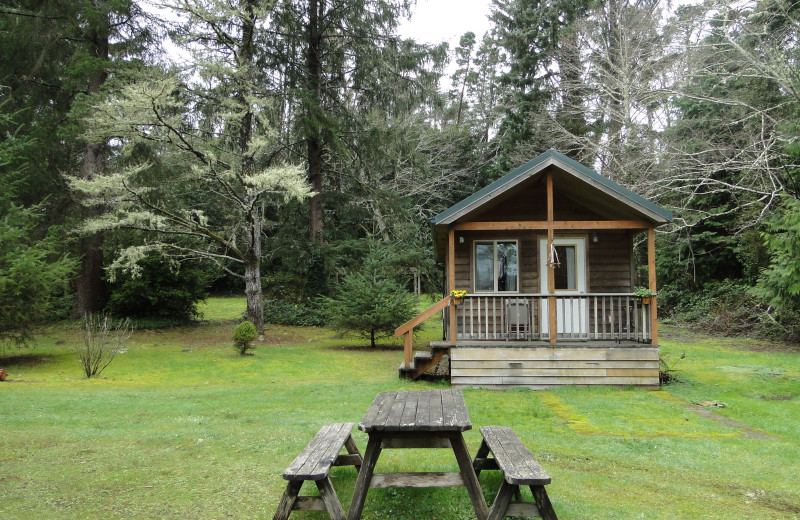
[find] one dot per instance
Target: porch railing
(525, 317)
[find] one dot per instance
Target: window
(565, 271)
(496, 266)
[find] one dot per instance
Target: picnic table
(417, 419)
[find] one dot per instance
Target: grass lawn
(180, 426)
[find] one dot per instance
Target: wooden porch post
(651, 270)
(551, 274)
(451, 280)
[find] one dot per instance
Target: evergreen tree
(56, 57)
(336, 62)
(212, 138)
(34, 272)
(370, 304)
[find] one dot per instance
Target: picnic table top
(417, 411)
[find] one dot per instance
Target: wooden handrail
(410, 324)
(407, 328)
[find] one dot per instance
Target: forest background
(278, 147)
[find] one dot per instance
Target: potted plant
(458, 296)
(645, 294)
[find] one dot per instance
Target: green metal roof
(532, 167)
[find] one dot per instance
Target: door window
(565, 269)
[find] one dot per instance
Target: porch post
(451, 280)
(551, 274)
(651, 270)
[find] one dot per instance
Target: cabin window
(496, 266)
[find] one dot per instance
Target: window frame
(474, 275)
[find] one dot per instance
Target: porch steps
(424, 361)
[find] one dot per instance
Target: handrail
(407, 328)
(410, 324)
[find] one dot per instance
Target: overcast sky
(436, 21)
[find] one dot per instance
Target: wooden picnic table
(417, 419)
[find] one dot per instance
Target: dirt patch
(776, 501)
(24, 360)
(378, 348)
(748, 431)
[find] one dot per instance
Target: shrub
(33, 275)
(163, 292)
(102, 341)
(243, 335)
(304, 314)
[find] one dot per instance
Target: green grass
(180, 426)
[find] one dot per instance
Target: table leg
(468, 475)
(364, 478)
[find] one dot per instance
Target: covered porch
(542, 270)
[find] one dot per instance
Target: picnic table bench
(314, 463)
(519, 468)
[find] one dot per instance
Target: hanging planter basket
(457, 297)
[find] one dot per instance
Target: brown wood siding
(546, 367)
(610, 263)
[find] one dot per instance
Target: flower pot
(646, 300)
(458, 301)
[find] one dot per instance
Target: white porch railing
(525, 317)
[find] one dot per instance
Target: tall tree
(57, 56)
(34, 271)
(338, 59)
(213, 142)
(530, 33)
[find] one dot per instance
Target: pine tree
(211, 136)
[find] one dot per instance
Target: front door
(568, 256)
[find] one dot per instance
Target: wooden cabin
(546, 257)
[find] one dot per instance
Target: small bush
(731, 309)
(243, 336)
(102, 341)
(304, 314)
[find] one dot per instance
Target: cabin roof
(626, 197)
(589, 188)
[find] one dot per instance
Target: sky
(435, 21)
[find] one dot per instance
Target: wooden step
(423, 360)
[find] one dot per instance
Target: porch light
(594, 237)
(461, 240)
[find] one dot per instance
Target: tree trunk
(313, 139)
(252, 261)
(88, 287)
(252, 290)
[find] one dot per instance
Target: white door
(568, 255)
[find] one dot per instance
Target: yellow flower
(458, 294)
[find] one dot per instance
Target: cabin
(546, 258)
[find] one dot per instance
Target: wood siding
(547, 367)
(609, 262)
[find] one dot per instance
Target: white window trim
(474, 264)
